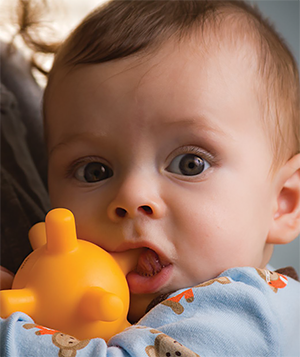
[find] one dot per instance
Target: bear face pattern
(273, 279)
(166, 346)
(68, 345)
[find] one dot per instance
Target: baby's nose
(144, 209)
(118, 210)
(134, 199)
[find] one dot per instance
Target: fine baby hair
(67, 284)
(120, 29)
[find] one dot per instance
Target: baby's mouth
(149, 263)
(151, 273)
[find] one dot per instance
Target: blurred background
(59, 17)
(56, 18)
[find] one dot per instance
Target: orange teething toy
(68, 284)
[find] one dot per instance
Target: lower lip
(139, 284)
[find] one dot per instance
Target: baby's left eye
(188, 165)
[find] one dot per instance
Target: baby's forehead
(232, 39)
(211, 56)
(202, 76)
(215, 59)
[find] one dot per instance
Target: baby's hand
(6, 278)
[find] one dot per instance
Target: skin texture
(137, 116)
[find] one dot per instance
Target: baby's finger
(6, 278)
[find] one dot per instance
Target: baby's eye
(188, 165)
(93, 172)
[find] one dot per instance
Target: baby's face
(167, 154)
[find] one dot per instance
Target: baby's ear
(286, 220)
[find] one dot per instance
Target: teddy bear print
(68, 345)
(274, 280)
(166, 346)
(174, 302)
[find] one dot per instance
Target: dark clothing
(24, 197)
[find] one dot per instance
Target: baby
(173, 127)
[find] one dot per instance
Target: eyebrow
(202, 125)
(199, 122)
(84, 136)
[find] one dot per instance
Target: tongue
(148, 263)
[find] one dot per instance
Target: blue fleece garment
(243, 312)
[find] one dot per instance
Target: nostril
(121, 212)
(146, 209)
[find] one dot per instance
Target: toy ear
(286, 220)
(37, 235)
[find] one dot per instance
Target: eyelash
(70, 172)
(209, 157)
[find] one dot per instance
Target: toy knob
(61, 231)
(98, 304)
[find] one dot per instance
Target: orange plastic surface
(67, 284)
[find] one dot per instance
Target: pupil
(191, 165)
(96, 171)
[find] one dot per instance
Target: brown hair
(29, 25)
(123, 28)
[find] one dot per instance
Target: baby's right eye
(93, 172)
